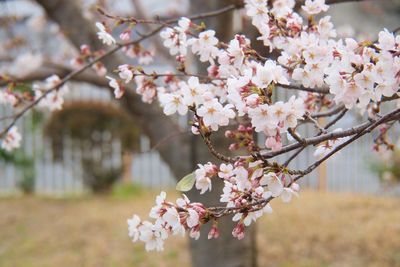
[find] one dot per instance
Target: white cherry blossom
(193, 91)
(103, 35)
(314, 7)
(133, 227)
(118, 89)
(12, 139)
(173, 103)
(205, 46)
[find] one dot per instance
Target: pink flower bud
(125, 35)
(233, 147)
(195, 130)
(180, 59)
(77, 63)
(252, 101)
(241, 128)
(214, 233)
(238, 231)
(229, 134)
(85, 50)
(195, 232)
(100, 69)
(213, 71)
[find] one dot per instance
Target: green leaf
(186, 183)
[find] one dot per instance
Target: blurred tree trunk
(181, 152)
(149, 117)
(225, 251)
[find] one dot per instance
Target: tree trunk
(225, 251)
(149, 117)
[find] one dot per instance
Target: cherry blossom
(118, 89)
(125, 35)
(133, 224)
(104, 35)
(12, 139)
(6, 97)
(225, 171)
(125, 73)
(173, 103)
(313, 7)
(193, 91)
(193, 218)
(327, 76)
(274, 184)
(153, 236)
(203, 175)
(176, 40)
(258, 11)
(51, 97)
(205, 45)
(215, 115)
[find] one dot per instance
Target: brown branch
(317, 139)
(329, 112)
(336, 119)
(292, 157)
(323, 90)
(331, 2)
(158, 44)
(218, 212)
(215, 153)
(315, 123)
(295, 135)
(394, 115)
(105, 55)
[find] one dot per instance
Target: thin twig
(108, 53)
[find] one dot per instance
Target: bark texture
(226, 251)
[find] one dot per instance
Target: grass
(315, 230)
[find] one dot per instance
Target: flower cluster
(248, 188)
(12, 139)
(86, 55)
(240, 85)
(50, 98)
(169, 219)
(143, 56)
(203, 176)
(251, 186)
(104, 34)
(8, 97)
(275, 119)
(243, 137)
(175, 38)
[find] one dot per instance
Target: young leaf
(186, 183)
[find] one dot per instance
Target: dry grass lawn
(315, 230)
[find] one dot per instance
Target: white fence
(66, 176)
(348, 171)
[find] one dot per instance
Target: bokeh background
(81, 172)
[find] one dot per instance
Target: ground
(317, 229)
